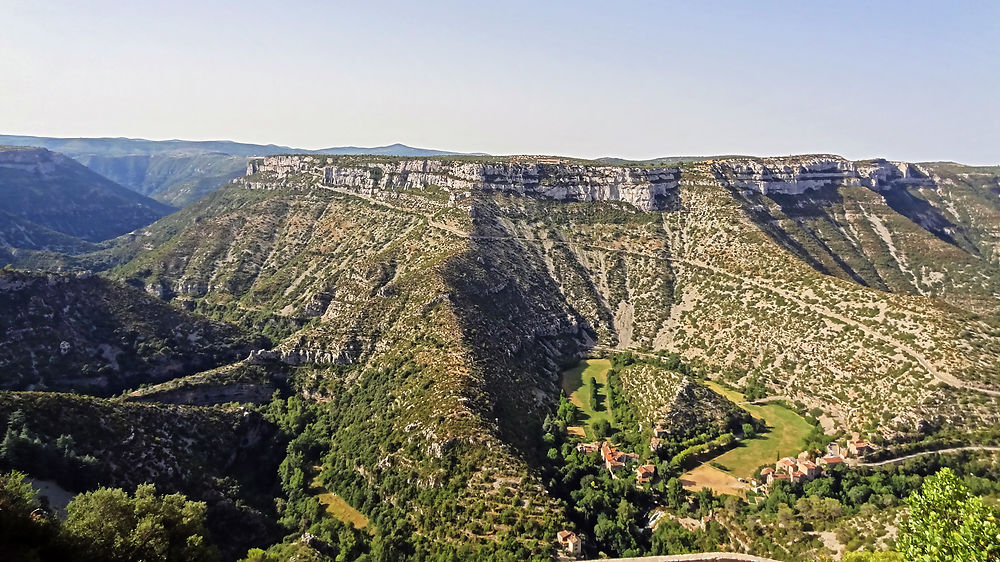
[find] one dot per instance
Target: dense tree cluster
(755, 388)
(103, 525)
(23, 449)
(321, 453)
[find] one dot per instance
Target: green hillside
(93, 335)
(420, 331)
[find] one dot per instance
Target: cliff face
(649, 189)
(795, 175)
(645, 188)
(36, 160)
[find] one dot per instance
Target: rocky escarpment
(794, 175)
(646, 188)
(250, 381)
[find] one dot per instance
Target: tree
(595, 404)
(674, 493)
(26, 532)
(566, 411)
(108, 524)
(859, 494)
(755, 388)
(748, 431)
(947, 523)
(671, 538)
(602, 428)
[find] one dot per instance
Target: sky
(906, 80)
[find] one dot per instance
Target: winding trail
(817, 309)
(922, 453)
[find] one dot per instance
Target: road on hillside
(922, 453)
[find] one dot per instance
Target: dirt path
(767, 399)
(922, 453)
(700, 557)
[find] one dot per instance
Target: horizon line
(705, 156)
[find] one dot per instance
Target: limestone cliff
(647, 188)
(794, 175)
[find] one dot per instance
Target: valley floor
(786, 437)
(576, 383)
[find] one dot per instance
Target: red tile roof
(566, 536)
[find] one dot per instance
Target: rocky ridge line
(794, 175)
(648, 189)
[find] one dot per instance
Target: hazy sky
(907, 80)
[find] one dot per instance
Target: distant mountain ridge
(125, 146)
(178, 172)
(43, 191)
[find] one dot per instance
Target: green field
(337, 507)
(576, 383)
(785, 438)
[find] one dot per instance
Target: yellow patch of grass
(338, 508)
(705, 476)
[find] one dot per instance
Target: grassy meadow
(576, 383)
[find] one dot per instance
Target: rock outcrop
(647, 188)
(794, 175)
(678, 404)
(38, 161)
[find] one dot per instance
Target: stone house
(859, 447)
(569, 542)
(809, 469)
(830, 461)
(644, 474)
(614, 459)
